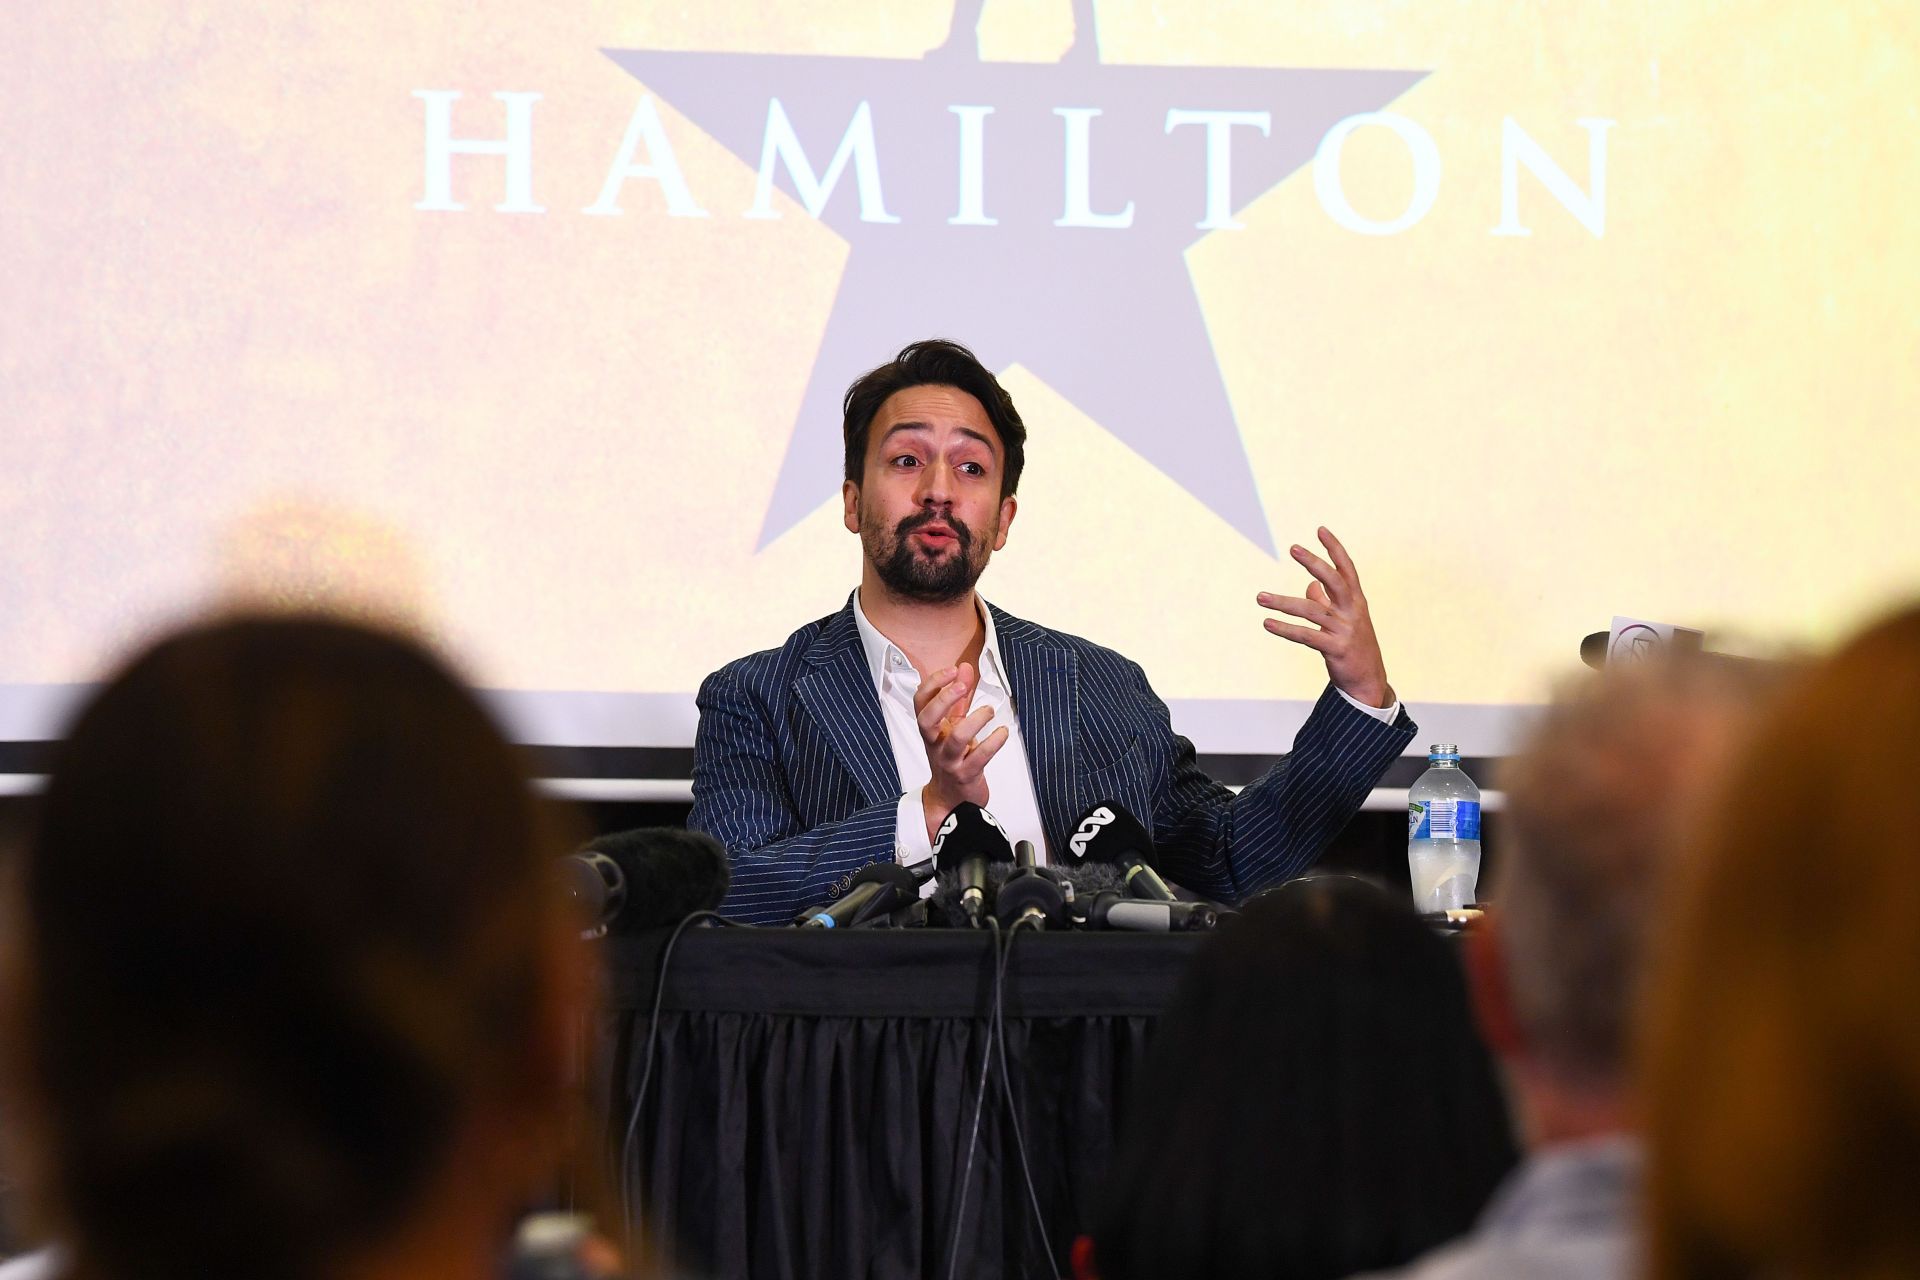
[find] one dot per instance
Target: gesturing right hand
(948, 729)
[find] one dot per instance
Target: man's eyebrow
(926, 426)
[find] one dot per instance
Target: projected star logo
(1108, 317)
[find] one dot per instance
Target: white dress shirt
(1010, 792)
(1010, 795)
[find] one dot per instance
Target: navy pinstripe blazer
(794, 774)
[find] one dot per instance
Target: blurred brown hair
(284, 923)
(1783, 1065)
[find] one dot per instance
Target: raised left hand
(1342, 630)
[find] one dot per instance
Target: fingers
(946, 680)
(1311, 610)
(965, 731)
(955, 740)
(1317, 593)
(978, 753)
(937, 711)
(1329, 577)
(1341, 560)
(1315, 639)
(936, 718)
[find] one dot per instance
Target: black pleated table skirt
(812, 1094)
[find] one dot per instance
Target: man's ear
(1489, 989)
(1008, 506)
(850, 494)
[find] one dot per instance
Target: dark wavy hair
(284, 920)
(1315, 1103)
(940, 363)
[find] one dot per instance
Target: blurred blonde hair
(1599, 801)
(1782, 1082)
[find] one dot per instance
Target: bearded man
(851, 742)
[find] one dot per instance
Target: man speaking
(853, 740)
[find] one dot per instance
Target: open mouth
(933, 535)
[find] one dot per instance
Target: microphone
(1108, 833)
(1593, 649)
(877, 889)
(1110, 910)
(943, 906)
(1032, 893)
(647, 878)
(968, 841)
(596, 886)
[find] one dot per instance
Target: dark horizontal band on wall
(676, 763)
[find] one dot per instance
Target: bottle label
(1443, 820)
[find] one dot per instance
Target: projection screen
(527, 326)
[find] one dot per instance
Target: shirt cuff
(910, 843)
(1385, 715)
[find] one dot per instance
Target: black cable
(1013, 1111)
(979, 1104)
(627, 1170)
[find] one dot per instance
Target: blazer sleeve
(742, 798)
(1228, 847)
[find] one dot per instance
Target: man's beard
(913, 576)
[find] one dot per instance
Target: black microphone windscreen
(969, 832)
(943, 905)
(671, 872)
(1108, 833)
(1089, 878)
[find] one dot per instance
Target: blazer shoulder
(776, 667)
(1097, 657)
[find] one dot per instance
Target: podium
(813, 1092)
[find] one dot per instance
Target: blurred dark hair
(287, 921)
(1315, 1103)
(934, 362)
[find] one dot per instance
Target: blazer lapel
(838, 693)
(1046, 698)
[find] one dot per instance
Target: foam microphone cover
(671, 872)
(943, 905)
(1089, 878)
(1108, 833)
(970, 831)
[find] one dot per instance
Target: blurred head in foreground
(1315, 1102)
(1600, 802)
(1783, 1053)
(287, 984)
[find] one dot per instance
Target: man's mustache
(921, 519)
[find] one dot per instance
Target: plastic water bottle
(1443, 833)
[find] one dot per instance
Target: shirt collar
(886, 661)
(1577, 1185)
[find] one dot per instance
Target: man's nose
(936, 485)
